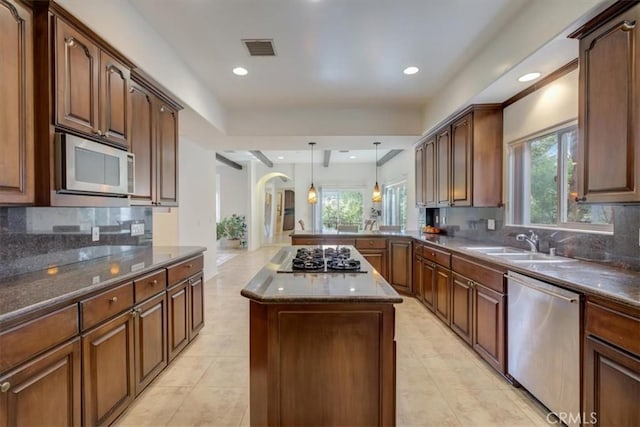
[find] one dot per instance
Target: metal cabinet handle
(188, 265)
(134, 313)
(154, 282)
(581, 199)
(113, 299)
(162, 109)
(628, 26)
(5, 387)
(131, 90)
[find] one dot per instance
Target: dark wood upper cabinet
(461, 162)
(16, 107)
(77, 77)
(443, 167)
(142, 144)
(609, 111)
(419, 174)
(429, 173)
(167, 174)
(92, 87)
(114, 93)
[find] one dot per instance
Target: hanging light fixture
(312, 197)
(377, 195)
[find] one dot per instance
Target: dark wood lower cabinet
(489, 311)
(196, 319)
(45, 391)
(377, 259)
(612, 385)
(461, 307)
(108, 370)
(400, 268)
(150, 333)
(428, 284)
(178, 320)
(442, 294)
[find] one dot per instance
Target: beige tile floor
(440, 380)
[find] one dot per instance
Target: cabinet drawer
(179, 272)
(436, 255)
(149, 285)
(371, 243)
(489, 277)
(105, 305)
(417, 249)
(620, 329)
(339, 241)
(305, 241)
(22, 342)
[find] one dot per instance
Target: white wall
(234, 189)
(165, 227)
(549, 106)
(196, 219)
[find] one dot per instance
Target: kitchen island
(322, 348)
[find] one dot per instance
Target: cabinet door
(489, 312)
(45, 391)
(428, 284)
(461, 306)
(142, 144)
(443, 170)
(77, 73)
(16, 108)
(429, 176)
(196, 321)
(442, 294)
(400, 265)
(611, 385)
(150, 340)
(609, 112)
(417, 277)
(178, 320)
(114, 94)
(108, 370)
(377, 259)
(419, 174)
(167, 141)
(461, 161)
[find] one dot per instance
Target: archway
(257, 225)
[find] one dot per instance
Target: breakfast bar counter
(322, 347)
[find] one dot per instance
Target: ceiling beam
(228, 162)
(327, 157)
(390, 155)
(264, 159)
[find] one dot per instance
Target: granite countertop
(368, 233)
(20, 295)
(269, 286)
(592, 278)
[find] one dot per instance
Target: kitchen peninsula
(322, 348)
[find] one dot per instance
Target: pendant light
(312, 196)
(377, 195)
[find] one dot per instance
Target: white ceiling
(304, 156)
(329, 52)
(337, 78)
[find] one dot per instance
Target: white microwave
(88, 167)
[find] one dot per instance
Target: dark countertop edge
(419, 237)
(321, 299)
(72, 297)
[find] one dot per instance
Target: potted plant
(233, 229)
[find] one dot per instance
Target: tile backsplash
(39, 238)
(619, 249)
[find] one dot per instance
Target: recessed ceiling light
(280, 157)
(528, 77)
(411, 70)
(240, 71)
(352, 157)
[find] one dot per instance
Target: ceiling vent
(262, 47)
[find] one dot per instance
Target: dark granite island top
(269, 286)
(322, 346)
(40, 290)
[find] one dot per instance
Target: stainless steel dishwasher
(544, 343)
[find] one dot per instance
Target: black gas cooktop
(319, 260)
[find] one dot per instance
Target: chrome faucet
(532, 240)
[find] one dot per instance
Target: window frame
(397, 185)
(561, 171)
(340, 189)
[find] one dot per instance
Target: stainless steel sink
(518, 256)
(495, 250)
